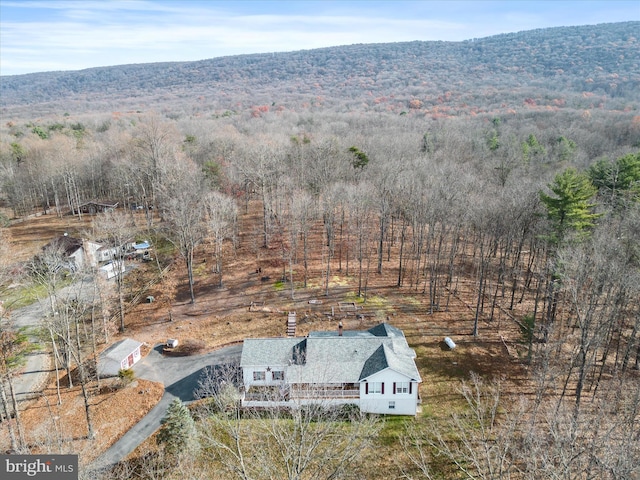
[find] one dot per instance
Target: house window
(258, 376)
(278, 375)
(402, 387)
(392, 405)
(375, 388)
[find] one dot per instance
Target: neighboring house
(373, 369)
(120, 356)
(109, 254)
(92, 208)
(106, 254)
(77, 253)
(71, 249)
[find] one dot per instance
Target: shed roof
(110, 360)
(121, 349)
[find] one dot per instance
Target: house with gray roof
(374, 369)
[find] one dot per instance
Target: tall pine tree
(178, 431)
(571, 217)
(569, 209)
(617, 182)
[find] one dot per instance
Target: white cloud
(63, 35)
(63, 44)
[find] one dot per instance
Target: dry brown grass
(29, 236)
(53, 427)
(222, 316)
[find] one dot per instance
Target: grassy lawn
(25, 295)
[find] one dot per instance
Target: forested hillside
(576, 67)
(501, 173)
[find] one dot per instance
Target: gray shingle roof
(385, 330)
(268, 351)
(328, 358)
(120, 350)
(375, 363)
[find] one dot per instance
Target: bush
(126, 376)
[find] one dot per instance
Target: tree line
(535, 214)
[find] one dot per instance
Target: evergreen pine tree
(178, 431)
(617, 181)
(569, 209)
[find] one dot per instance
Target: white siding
(116, 357)
(247, 375)
(109, 270)
(91, 249)
(78, 258)
(404, 403)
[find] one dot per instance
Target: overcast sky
(47, 35)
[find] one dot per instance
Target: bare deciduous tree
(480, 441)
(14, 345)
(184, 211)
(307, 441)
(154, 141)
(222, 214)
(115, 230)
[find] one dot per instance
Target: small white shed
(109, 270)
(121, 355)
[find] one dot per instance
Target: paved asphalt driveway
(180, 377)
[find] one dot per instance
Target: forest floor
(254, 302)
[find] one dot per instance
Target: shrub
(126, 375)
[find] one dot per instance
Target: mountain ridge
(602, 59)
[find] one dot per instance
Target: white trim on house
(374, 400)
(363, 368)
(121, 355)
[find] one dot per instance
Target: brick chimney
(340, 329)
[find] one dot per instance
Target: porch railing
(301, 394)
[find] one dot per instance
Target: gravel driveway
(39, 364)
